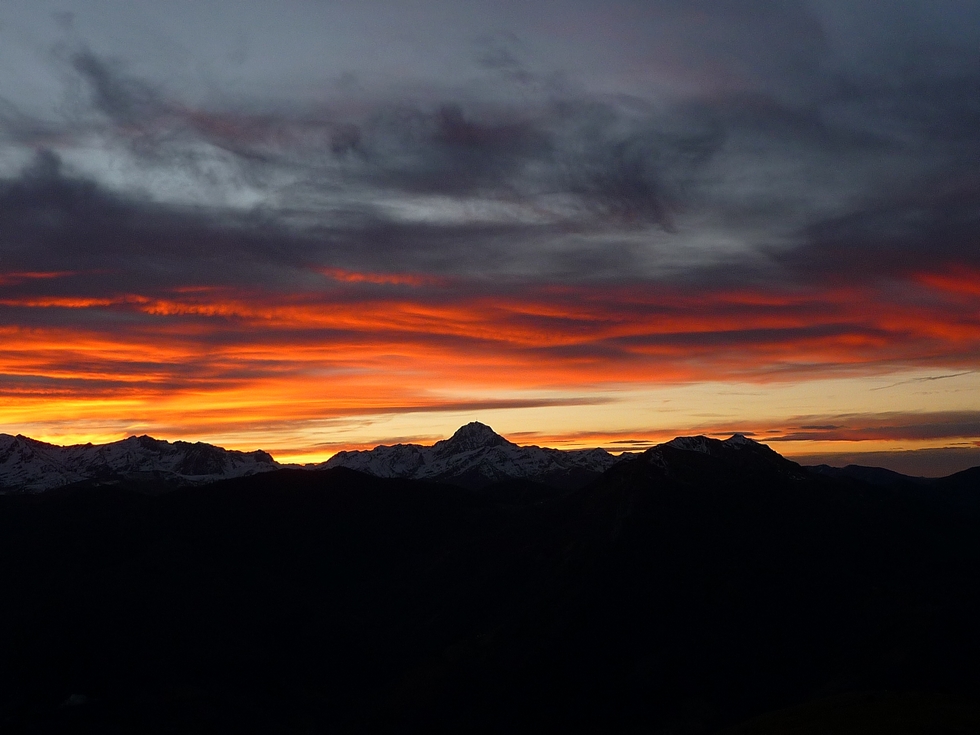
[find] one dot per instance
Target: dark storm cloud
(777, 44)
(615, 161)
(926, 214)
(572, 167)
(444, 151)
(55, 221)
(925, 229)
(584, 163)
(499, 54)
(125, 100)
(819, 163)
(107, 243)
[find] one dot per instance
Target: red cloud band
(366, 344)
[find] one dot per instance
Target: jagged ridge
(738, 453)
(30, 465)
(474, 457)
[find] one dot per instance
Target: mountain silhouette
(474, 457)
(697, 585)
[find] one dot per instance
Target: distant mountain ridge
(29, 465)
(475, 457)
(737, 452)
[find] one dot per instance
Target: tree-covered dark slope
(687, 590)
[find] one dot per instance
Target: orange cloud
(397, 279)
(210, 359)
(14, 278)
(960, 280)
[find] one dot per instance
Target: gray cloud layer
(773, 142)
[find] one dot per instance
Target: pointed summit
(740, 440)
(473, 435)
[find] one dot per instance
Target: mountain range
(28, 465)
(474, 457)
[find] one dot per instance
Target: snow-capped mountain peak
(476, 456)
(704, 445)
(470, 437)
(740, 440)
(700, 444)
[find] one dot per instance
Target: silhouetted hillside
(688, 589)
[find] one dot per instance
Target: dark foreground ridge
(703, 586)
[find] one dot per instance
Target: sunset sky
(311, 226)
